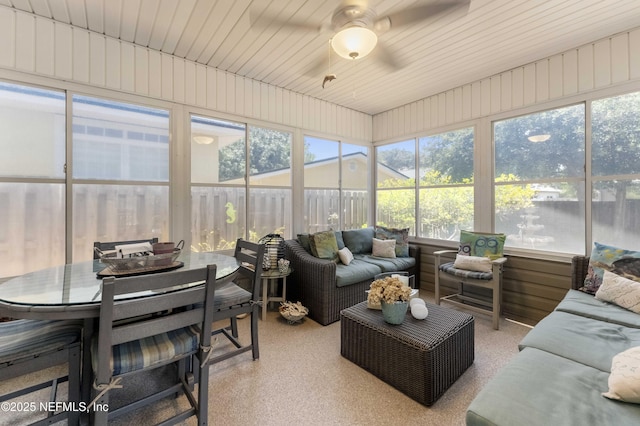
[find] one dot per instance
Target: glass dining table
(73, 291)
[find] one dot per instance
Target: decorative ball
(419, 311)
(416, 301)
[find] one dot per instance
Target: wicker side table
(421, 358)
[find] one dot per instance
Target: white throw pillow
(620, 290)
(472, 263)
(345, 255)
(384, 248)
(624, 380)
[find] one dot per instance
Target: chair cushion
(150, 351)
(230, 294)
(20, 339)
(464, 273)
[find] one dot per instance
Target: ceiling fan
(356, 26)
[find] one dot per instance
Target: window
(269, 183)
(224, 206)
(321, 184)
(120, 173)
(539, 180)
(32, 189)
(355, 184)
(336, 182)
(396, 185)
(615, 167)
(446, 184)
(218, 193)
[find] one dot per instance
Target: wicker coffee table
(421, 358)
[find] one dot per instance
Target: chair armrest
(440, 252)
(500, 260)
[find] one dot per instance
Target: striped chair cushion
(150, 351)
(23, 338)
(463, 273)
(230, 294)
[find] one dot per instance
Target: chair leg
(74, 382)
(437, 286)
(234, 327)
(203, 391)
(254, 332)
(100, 415)
(497, 294)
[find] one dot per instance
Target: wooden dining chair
(111, 245)
(130, 340)
(232, 299)
(28, 346)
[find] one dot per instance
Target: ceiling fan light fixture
(203, 139)
(539, 138)
(354, 42)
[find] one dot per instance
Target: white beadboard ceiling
(438, 54)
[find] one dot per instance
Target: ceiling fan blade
(386, 56)
(265, 20)
(318, 67)
(415, 14)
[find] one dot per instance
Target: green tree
(397, 158)
(615, 148)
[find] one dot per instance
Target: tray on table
(138, 265)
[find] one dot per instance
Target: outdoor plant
(389, 289)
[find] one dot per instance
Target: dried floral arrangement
(389, 289)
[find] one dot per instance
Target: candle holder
(273, 250)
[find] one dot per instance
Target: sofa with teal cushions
(326, 285)
(566, 363)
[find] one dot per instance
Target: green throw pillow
(305, 241)
(324, 245)
(481, 244)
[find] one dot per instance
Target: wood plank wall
(39, 46)
(531, 288)
(608, 62)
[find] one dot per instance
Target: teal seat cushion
(538, 388)
(359, 240)
(27, 338)
(355, 272)
(150, 351)
(396, 264)
(580, 303)
(465, 273)
(585, 340)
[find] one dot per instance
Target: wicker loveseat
(328, 286)
(563, 367)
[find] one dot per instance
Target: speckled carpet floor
(301, 378)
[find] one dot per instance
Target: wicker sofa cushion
(357, 271)
(150, 351)
(26, 338)
(389, 264)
